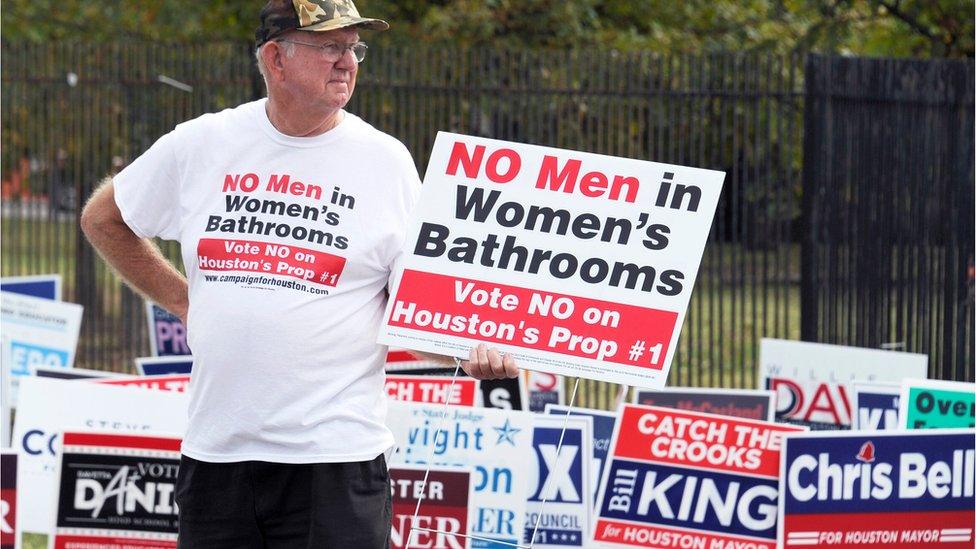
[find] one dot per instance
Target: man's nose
(347, 61)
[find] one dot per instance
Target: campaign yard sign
(934, 404)
(167, 335)
(812, 381)
(544, 389)
(603, 423)
(164, 365)
(175, 383)
(503, 394)
(463, 391)
(688, 479)
(499, 225)
(116, 491)
(897, 489)
(744, 403)
(74, 373)
(50, 406)
(40, 286)
(559, 497)
(42, 333)
(875, 406)
(8, 499)
(497, 445)
(444, 499)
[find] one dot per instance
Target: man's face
(310, 74)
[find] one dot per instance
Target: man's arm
(137, 260)
(482, 363)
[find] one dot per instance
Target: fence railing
(73, 114)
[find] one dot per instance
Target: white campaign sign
(577, 264)
(813, 381)
(42, 333)
(497, 444)
(544, 389)
(49, 406)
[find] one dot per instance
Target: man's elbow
(92, 220)
(100, 214)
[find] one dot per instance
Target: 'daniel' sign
(117, 490)
(578, 264)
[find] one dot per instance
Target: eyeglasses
(333, 52)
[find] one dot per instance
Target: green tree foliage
(918, 28)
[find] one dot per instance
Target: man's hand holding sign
(573, 263)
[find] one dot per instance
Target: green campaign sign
(929, 404)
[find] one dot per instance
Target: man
(291, 213)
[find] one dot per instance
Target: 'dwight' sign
(577, 264)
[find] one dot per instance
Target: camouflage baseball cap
(279, 16)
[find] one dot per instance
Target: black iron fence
(888, 208)
(73, 114)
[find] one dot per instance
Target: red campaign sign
(533, 319)
(720, 443)
(642, 535)
(214, 254)
(166, 444)
(110, 542)
(175, 383)
(432, 389)
(444, 507)
(876, 530)
(8, 498)
(401, 355)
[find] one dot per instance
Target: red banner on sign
(272, 259)
(432, 389)
(533, 319)
(701, 440)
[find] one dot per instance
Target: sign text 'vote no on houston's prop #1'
(577, 264)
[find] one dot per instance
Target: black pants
(277, 505)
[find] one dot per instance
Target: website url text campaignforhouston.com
(249, 280)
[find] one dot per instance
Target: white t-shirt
(289, 245)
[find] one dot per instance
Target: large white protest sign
(49, 406)
(42, 333)
(812, 381)
(497, 445)
(577, 264)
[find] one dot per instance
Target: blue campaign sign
(42, 286)
(683, 497)
(900, 489)
(167, 335)
(27, 356)
(160, 366)
(875, 406)
(603, 423)
(559, 501)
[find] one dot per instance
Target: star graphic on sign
(506, 433)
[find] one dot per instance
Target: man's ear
(273, 55)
